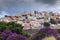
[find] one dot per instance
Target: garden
(14, 31)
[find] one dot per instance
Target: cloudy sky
(11, 7)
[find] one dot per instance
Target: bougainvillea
(11, 31)
(15, 36)
(45, 32)
(8, 35)
(49, 32)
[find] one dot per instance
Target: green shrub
(12, 26)
(58, 31)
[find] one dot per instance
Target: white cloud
(3, 13)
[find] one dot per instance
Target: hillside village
(34, 20)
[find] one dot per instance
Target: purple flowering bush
(8, 35)
(11, 31)
(46, 32)
(49, 32)
(15, 36)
